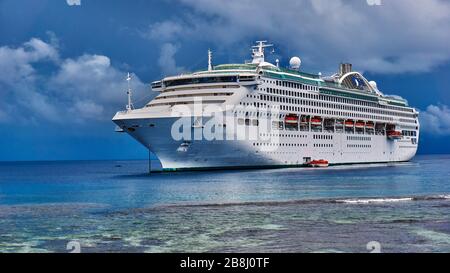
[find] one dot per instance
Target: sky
(63, 63)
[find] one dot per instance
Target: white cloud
(87, 110)
(165, 33)
(88, 87)
(73, 2)
(93, 85)
(16, 63)
(436, 120)
(395, 37)
(166, 30)
(18, 80)
(167, 62)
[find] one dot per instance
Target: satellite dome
(373, 84)
(295, 63)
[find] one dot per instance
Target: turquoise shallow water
(114, 206)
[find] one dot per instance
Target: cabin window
(189, 81)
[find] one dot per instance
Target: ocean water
(115, 206)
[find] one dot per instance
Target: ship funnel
(345, 68)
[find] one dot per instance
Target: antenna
(210, 60)
(130, 104)
(258, 51)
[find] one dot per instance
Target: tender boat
(321, 163)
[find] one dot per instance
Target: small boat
(316, 121)
(291, 119)
(370, 125)
(349, 123)
(360, 124)
(321, 163)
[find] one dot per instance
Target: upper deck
(346, 83)
(245, 73)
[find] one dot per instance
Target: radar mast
(130, 104)
(210, 67)
(258, 51)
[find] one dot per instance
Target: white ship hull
(238, 154)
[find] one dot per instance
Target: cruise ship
(257, 114)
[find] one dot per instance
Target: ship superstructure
(259, 115)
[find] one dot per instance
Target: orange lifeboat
(394, 134)
(349, 123)
(360, 124)
(370, 125)
(316, 121)
(321, 163)
(291, 119)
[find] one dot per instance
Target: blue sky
(62, 67)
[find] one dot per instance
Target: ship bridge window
(157, 84)
(246, 78)
(189, 81)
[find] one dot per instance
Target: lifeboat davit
(394, 135)
(339, 122)
(304, 120)
(321, 163)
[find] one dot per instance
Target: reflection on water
(405, 207)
